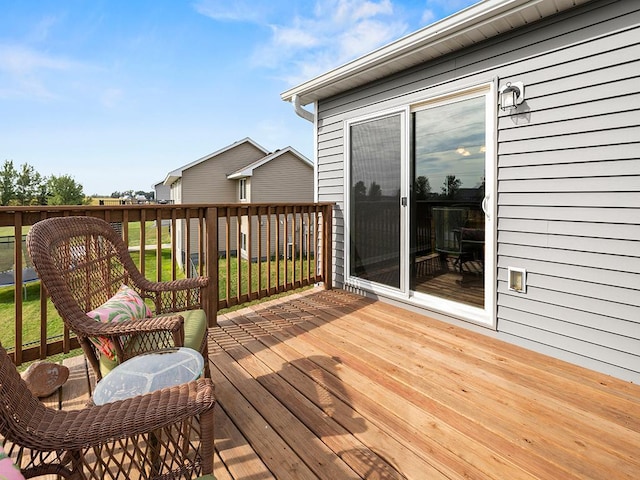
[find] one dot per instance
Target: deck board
(330, 385)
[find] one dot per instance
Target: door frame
(356, 281)
(486, 316)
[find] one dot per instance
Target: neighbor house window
(243, 189)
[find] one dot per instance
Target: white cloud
(438, 9)
(335, 32)
(428, 16)
(19, 60)
(367, 35)
(237, 11)
(294, 37)
(331, 33)
(25, 71)
(342, 11)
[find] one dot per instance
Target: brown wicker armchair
(82, 261)
(164, 434)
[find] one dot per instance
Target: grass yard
(31, 300)
(31, 305)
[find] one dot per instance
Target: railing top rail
(31, 214)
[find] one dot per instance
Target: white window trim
(242, 185)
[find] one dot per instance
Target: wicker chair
(82, 262)
(164, 434)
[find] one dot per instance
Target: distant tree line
(25, 186)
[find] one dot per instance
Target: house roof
(175, 175)
(247, 171)
(481, 21)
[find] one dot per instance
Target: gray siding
(283, 179)
(207, 182)
(568, 189)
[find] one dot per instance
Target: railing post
(212, 265)
(327, 215)
(17, 294)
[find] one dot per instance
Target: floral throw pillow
(124, 305)
(8, 471)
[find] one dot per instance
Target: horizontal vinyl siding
(569, 199)
(568, 176)
(207, 181)
(331, 186)
(283, 179)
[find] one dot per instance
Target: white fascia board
(172, 177)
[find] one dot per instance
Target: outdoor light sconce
(511, 95)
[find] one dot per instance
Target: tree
(451, 186)
(147, 195)
(8, 176)
(375, 192)
(359, 190)
(64, 190)
(423, 189)
(28, 185)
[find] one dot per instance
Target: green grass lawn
(31, 299)
(31, 305)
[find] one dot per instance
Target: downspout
(307, 115)
(301, 112)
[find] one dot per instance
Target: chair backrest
(21, 410)
(82, 262)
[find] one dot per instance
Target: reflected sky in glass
(375, 145)
(450, 140)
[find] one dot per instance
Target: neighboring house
(460, 198)
(162, 192)
(243, 172)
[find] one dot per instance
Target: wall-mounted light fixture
(511, 95)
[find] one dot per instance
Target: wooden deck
(330, 385)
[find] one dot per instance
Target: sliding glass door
(447, 219)
(417, 189)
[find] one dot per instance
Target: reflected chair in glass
(448, 221)
(455, 240)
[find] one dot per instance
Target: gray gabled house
(486, 171)
(242, 172)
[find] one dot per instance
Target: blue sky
(117, 93)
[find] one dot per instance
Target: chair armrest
(175, 285)
(139, 335)
(175, 295)
(134, 326)
(99, 424)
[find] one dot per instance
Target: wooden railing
(249, 251)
